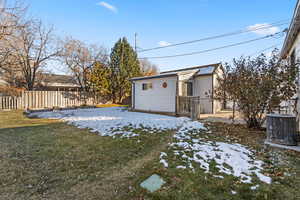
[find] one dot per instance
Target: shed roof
(206, 70)
(155, 76)
(199, 70)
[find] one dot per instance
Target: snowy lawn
(43, 158)
(221, 161)
(216, 158)
(115, 121)
(229, 159)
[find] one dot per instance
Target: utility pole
(135, 42)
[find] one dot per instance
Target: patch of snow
(287, 174)
(216, 176)
(117, 121)
(163, 161)
(181, 167)
(190, 126)
(231, 159)
(254, 187)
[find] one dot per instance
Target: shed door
(187, 89)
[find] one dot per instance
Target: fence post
(177, 105)
(46, 99)
(192, 108)
(198, 107)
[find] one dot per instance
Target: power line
(266, 49)
(278, 23)
(214, 49)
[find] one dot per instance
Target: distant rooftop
(59, 80)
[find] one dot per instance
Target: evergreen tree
(124, 65)
(100, 79)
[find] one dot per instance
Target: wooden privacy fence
(48, 99)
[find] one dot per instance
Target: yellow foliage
(110, 105)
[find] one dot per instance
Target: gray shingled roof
(194, 68)
(201, 70)
(55, 78)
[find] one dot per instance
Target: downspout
(212, 94)
(133, 96)
(176, 96)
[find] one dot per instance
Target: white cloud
(163, 43)
(263, 29)
(108, 6)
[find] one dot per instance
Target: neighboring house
(160, 93)
(291, 47)
(54, 82)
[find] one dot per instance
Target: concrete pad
(293, 148)
(153, 183)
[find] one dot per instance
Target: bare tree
(11, 21)
(148, 68)
(80, 58)
(11, 18)
(30, 48)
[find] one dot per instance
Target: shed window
(147, 86)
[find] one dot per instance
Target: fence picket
(47, 99)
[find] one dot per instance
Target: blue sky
(159, 22)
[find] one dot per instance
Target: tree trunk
(253, 123)
(233, 112)
(114, 98)
(30, 86)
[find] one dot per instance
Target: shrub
(257, 85)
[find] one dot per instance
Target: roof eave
(292, 32)
(192, 68)
(207, 74)
(152, 77)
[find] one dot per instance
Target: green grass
(282, 166)
(48, 159)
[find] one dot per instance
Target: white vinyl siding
(296, 50)
(158, 98)
(217, 104)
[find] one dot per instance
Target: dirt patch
(223, 117)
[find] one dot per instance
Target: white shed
(160, 93)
